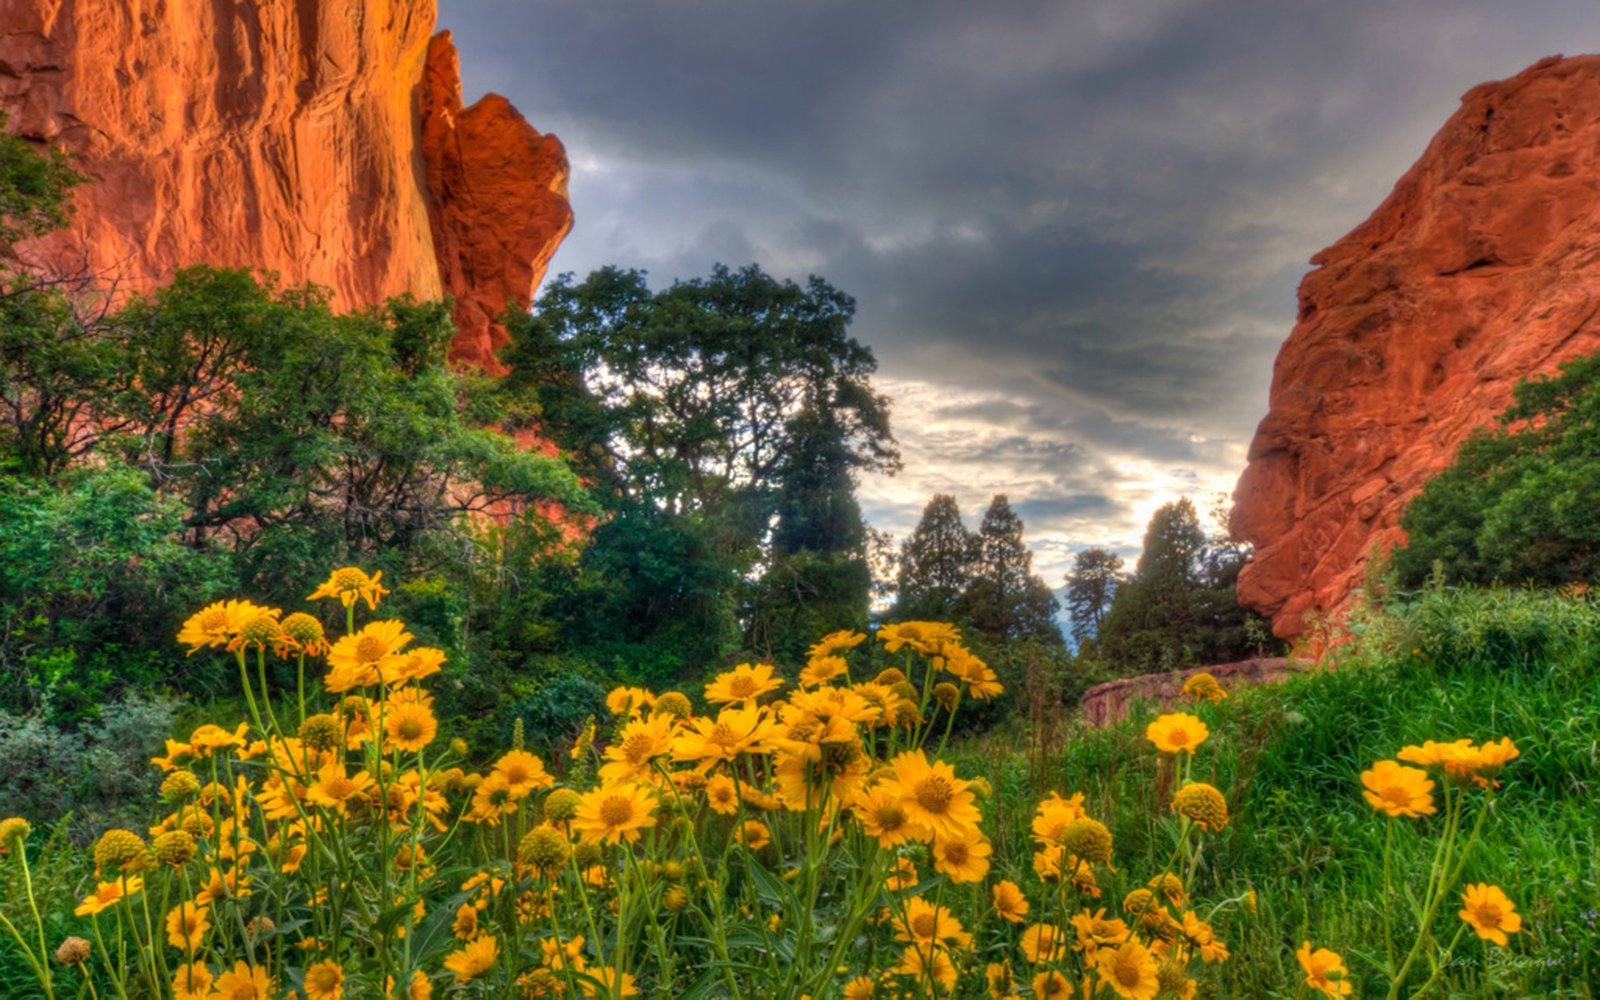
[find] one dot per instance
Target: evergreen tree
(1179, 608)
(817, 579)
(937, 563)
(1091, 586)
(1006, 599)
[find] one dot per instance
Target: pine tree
(1005, 599)
(816, 503)
(817, 578)
(1091, 586)
(1179, 608)
(937, 563)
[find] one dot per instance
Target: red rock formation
(287, 136)
(499, 206)
(1482, 267)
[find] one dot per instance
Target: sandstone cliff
(321, 139)
(1481, 267)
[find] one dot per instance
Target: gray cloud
(1074, 228)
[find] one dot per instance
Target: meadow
(827, 829)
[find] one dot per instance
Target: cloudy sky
(1074, 229)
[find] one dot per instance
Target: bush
(553, 711)
(93, 583)
(98, 773)
(1517, 504)
(1500, 629)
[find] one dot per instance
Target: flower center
(724, 735)
(1178, 736)
(1397, 795)
(890, 816)
(923, 925)
(934, 793)
(410, 729)
(324, 978)
(636, 748)
(615, 811)
(1489, 914)
(956, 854)
(743, 686)
(1127, 971)
(371, 648)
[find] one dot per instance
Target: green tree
(1006, 599)
(35, 190)
(1517, 504)
(938, 563)
(1091, 586)
(1179, 607)
(816, 578)
(726, 418)
(274, 435)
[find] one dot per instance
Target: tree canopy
(725, 420)
(1517, 503)
(983, 579)
(1091, 587)
(1179, 607)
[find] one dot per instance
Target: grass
(1482, 665)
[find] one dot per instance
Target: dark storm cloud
(1074, 228)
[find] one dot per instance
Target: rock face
(321, 139)
(498, 201)
(1482, 267)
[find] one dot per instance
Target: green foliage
(1517, 503)
(936, 563)
(223, 436)
(802, 596)
(817, 578)
(725, 418)
(97, 773)
(1179, 607)
(34, 188)
(554, 710)
(1006, 599)
(1458, 629)
(1287, 756)
(1091, 587)
(94, 581)
(983, 580)
(693, 397)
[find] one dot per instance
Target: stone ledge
(1108, 702)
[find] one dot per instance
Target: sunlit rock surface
(1482, 266)
(321, 139)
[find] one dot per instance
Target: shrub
(98, 773)
(1516, 505)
